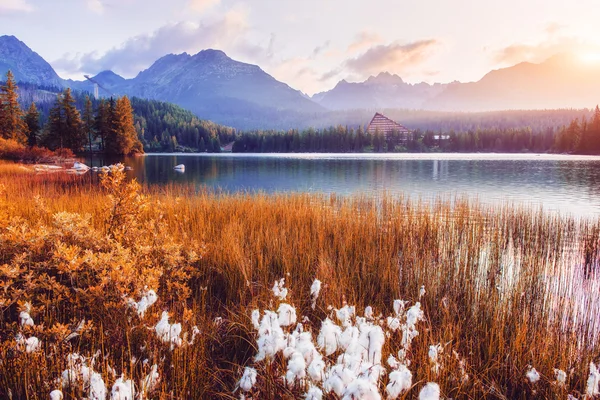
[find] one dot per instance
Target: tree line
(111, 123)
(343, 139)
(160, 126)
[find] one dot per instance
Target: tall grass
(507, 288)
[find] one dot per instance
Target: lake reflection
(567, 184)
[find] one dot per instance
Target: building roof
(385, 125)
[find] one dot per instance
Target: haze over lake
(558, 183)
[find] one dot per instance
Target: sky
(309, 44)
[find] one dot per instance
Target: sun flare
(590, 57)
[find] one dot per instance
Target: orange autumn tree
(122, 138)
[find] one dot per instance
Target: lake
(557, 183)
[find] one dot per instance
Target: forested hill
(161, 126)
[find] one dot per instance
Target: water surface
(557, 183)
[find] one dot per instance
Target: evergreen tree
(73, 134)
(88, 120)
(64, 128)
(32, 121)
(53, 137)
(12, 125)
(124, 137)
(102, 123)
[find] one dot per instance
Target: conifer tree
(88, 120)
(32, 121)
(123, 138)
(102, 123)
(53, 137)
(64, 128)
(74, 134)
(12, 125)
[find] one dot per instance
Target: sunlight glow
(590, 58)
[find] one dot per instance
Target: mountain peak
(26, 65)
(385, 78)
(108, 74)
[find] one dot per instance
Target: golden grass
(505, 286)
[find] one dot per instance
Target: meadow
(113, 290)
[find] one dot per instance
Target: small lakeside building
(382, 124)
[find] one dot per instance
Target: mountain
(210, 84)
(562, 81)
(214, 86)
(25, 64)
(378, 92)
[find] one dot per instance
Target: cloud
(395, 57)
(15, 5)
(139, 52)
(95, 6)
(363, 40)
(319, 49)
(539, 51)
(200, 6)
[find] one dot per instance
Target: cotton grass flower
(279, 289)
(532, 375)
(561, 376)
(150, 382)
(56, 395)
(434, 352)
(315, 290)
(314, 393)
(122, 390)
(149, 298)
(361, 389)
(296, 370)
(400, 381)
(248, 379)
(79, 374)
(431, 391)
(168, 333)
(286, 315)
(329, 337)
(32, 344)
(255, 319)
(271, 338)
(593, 382)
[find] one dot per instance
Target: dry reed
(506, 288)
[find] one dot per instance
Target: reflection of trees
(579, 173)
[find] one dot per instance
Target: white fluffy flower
(361, 389)
(32, 344)
(286, 314)
(256, 319)
(248, 379)
(314, 393)
(168, 333)
(315, 289)
(431, 391)
(561, 376)
(400, 382)
(532, 375)
(122, 390)
(329, 337)
(279, 289)
(56, 395)
(593, 382)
